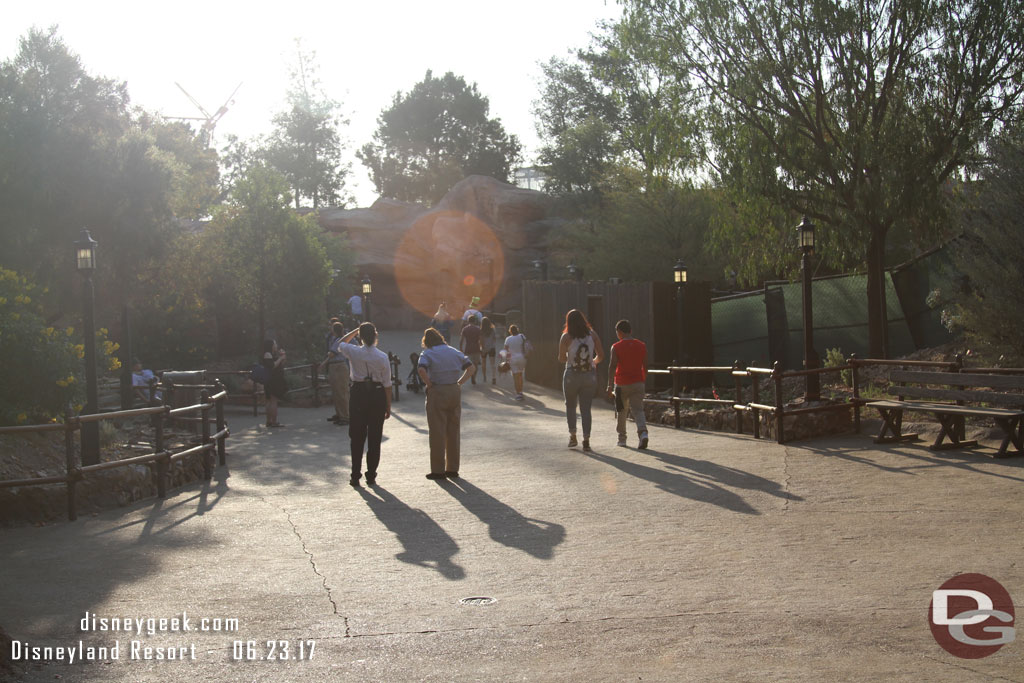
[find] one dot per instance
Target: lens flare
(448, 256)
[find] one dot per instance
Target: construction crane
(209, 120)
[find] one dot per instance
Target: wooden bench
(947, 395)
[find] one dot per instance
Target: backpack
(259, 374)
(527, 346)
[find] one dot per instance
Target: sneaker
(572, 441)
(586, 445)
(519, 397)
(332, 418)
(622, 441)
(643, 441)
(371, 479)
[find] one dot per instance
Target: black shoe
(451, 475)
(436, 475)
(371, 479)
(332, 418)
(341, 421)
(354, 482)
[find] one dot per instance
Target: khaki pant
(632, 402)
(337, 375)
(444, 418)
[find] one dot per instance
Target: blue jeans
(579, 386)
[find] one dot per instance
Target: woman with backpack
(580, 350)
(517, 348)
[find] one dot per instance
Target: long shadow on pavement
(703, 486)
(506, 524)
(918, 457)
(426, 543)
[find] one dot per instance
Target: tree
(986, 307)
(857, 114)
(305, 146)
(72, 154)
(434, 136)
(259, 254)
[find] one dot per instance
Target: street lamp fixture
(679, 271)
(542, 267)
(679, 276)
(575, 272)
(85, 253)
(85, 263)
(805, 231)
(367, 291)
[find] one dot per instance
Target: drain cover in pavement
(477, 601)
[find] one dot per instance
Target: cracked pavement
(710, 556)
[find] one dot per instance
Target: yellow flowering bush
(41, 369)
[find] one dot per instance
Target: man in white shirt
(355, 304)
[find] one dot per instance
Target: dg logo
(971, 616)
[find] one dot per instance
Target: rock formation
(479, 240)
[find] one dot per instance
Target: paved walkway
(707, 557)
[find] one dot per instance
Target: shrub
(834, 358)
(41, 368)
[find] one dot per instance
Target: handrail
(75, 471)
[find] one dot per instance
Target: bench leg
(892, 426)
(951, 426)
(1012, 428)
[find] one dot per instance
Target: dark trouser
(366, 412)
(444, 417)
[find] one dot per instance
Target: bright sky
(366, 51)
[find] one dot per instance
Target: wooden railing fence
(209, 442)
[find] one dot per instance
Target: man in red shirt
(627, 371)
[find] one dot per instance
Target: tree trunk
(876, 296)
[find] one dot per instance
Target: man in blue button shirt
(443, 370)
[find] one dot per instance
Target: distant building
(529, 177)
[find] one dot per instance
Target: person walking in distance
(443, 369)
(370, 402)
(355, 306)
(469, 342)
(442, 322)
(627, 381)
(487, 348)
(338, 375)
(580, 350)
(276, 387)
(516, 351)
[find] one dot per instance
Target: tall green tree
(434, 136)
(985, 306)
(259, 253)
(73, 155)
(305, 145)
(855, 113)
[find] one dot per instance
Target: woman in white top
(369, 400)
(580, 350)
(515, 349)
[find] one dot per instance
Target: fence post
(204, 398)
(69, 454)
(738, 385)
(675, 392)
(855, 377)
(222, 456)
(779, 415)
(755, 397)
(314, 378)
(163, 462)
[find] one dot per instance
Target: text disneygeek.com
(133, 647)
